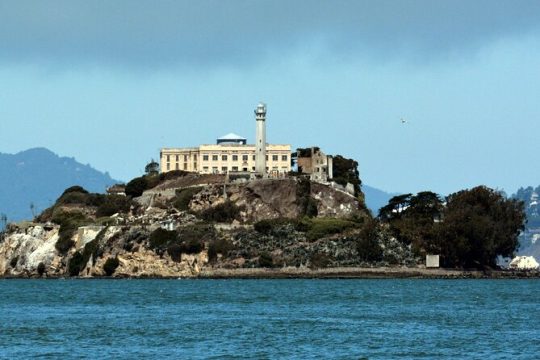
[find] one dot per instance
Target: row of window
(244, 157)
(186, 157)
(177, 166)
(224, 169)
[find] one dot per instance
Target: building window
(244, 158)
(195, 157)
(244, 169)
(168, 158)
(274, 158)
(205, 157)
(283, 157)
(194, 166)
(177, 166)
(214, 169)
(224, 157)
(214, 158)
(185, 157)
(253, 157)
(205, 168)
(168, 166)
(185, 166)
(177, 158)
(266, 157)
(235, 158)
(235, 168)
(274, 167)
(224, 169)
(253, 168)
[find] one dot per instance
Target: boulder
(523, 263)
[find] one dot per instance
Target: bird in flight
(403, 121)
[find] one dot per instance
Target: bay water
(270, 319)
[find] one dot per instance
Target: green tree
(152, 168)
(135, 187)
(395, 207)
(479, 225)
(346, 171)
(414, 219)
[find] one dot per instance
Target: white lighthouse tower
(260, 140)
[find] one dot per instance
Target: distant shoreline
(328, 273)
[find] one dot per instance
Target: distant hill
(375, 198)
(38, 176)
(530, 239)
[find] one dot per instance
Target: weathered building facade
(314, 162)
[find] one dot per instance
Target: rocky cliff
(192, 224)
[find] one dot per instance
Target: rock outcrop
(523, 263)
(129, 240)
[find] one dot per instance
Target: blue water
(269, 319)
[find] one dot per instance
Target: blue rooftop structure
(232, 138)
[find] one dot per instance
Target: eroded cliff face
(22, 252)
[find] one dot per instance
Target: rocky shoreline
(327, 273)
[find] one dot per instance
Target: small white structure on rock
(523, 263)
(432, 261)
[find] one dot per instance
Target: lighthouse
(260, 140)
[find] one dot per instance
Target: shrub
(193, 237)
(368, 246)
(75, 189)
(318, 261)
(63, 244)
(110, 265)
(264, 226)
(225, 212)
(160, 238)
(136, 187)
(196, 232)
(175, 251)
(69, 223)
(218, 246)
(369, 250)
(76, 264)
(212, 252)
(79, 260)
(113, 204)
(273, 226)
(184, 196)
(192, 246)
(322, 227)
(265, 260)
(268, 226)
(306, 203)
(41, 269)
(172, 175)
(311, 207)
(84, 198)
(73, 198)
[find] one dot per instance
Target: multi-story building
(231, 153)
(314, 162)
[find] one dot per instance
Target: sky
(111, 82)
